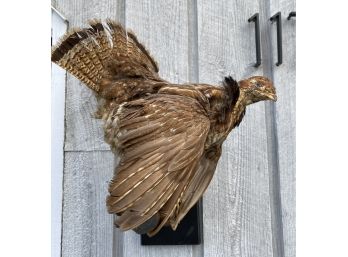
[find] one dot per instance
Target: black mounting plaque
(188, 232)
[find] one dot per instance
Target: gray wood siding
(284, 77)
(236, 205)
(87, 227)
(196, 41)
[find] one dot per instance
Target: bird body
(168, 136)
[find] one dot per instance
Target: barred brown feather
(103, 51)
(168, 136)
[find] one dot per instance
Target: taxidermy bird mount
(168, 136)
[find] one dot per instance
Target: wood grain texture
(236, 206)
(284, 77)
(87, 227)
(59, 27)
(162, 26)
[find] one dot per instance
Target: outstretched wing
(198, 183)
(102, 53)
(161, 140)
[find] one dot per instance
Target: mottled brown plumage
(168, 136)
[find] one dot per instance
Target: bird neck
(238, 111)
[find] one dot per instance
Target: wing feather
(175, 129)
(120, 199)
(172, 204)
(131, 219)
(199, 182)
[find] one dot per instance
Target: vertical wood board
(284, 77)
(59, 27)
(88, 229)
(237, 219)
(87, 226)
(162, 26)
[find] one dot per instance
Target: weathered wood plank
(59, 27)
(162, 26)
(237, 219)
(284, 77)
(83, 132)
(87, 227)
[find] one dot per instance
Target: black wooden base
(188, 232)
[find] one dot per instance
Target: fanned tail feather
(84, 53)
(103, 51)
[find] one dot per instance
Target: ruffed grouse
(168, 136)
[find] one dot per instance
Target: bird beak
(272, 97)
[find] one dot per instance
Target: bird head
(257, 89)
